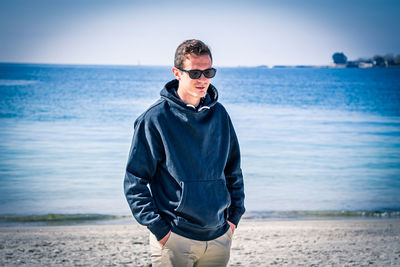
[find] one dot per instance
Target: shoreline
(350, 242)
(65, 219)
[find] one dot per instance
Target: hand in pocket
(164, 239)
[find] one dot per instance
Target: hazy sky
(239, 32)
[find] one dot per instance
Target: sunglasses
(196, 74)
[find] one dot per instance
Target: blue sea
(312, 139)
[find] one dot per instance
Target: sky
(239, 32)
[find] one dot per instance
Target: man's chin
(200, 93)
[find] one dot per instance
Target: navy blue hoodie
(183, 173)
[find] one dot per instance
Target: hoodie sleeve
(145, 152)
(234, 178)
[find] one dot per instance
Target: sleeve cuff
(235, 218)
(160, 229)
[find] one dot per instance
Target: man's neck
(188, 99)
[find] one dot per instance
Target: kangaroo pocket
(203, 203)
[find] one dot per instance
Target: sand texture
(364, 242)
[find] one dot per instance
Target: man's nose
(202, 77)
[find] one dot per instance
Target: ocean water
(311, 139)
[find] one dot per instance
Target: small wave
(16, 82)
(56, 218)
(8, 115)
(304, 214)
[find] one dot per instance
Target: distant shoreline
(329, 66)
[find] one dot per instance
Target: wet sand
(355, 242)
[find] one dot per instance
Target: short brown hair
(192, 46)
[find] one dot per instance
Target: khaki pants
(180, 251)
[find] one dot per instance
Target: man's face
(194, 88)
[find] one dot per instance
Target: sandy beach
(355, 242)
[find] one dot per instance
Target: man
(183, 178)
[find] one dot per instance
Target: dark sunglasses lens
(210, 73)
(194, 74)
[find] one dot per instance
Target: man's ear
(177, 73)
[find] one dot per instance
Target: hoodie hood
(169, 92)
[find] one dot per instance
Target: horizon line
(154, 65)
